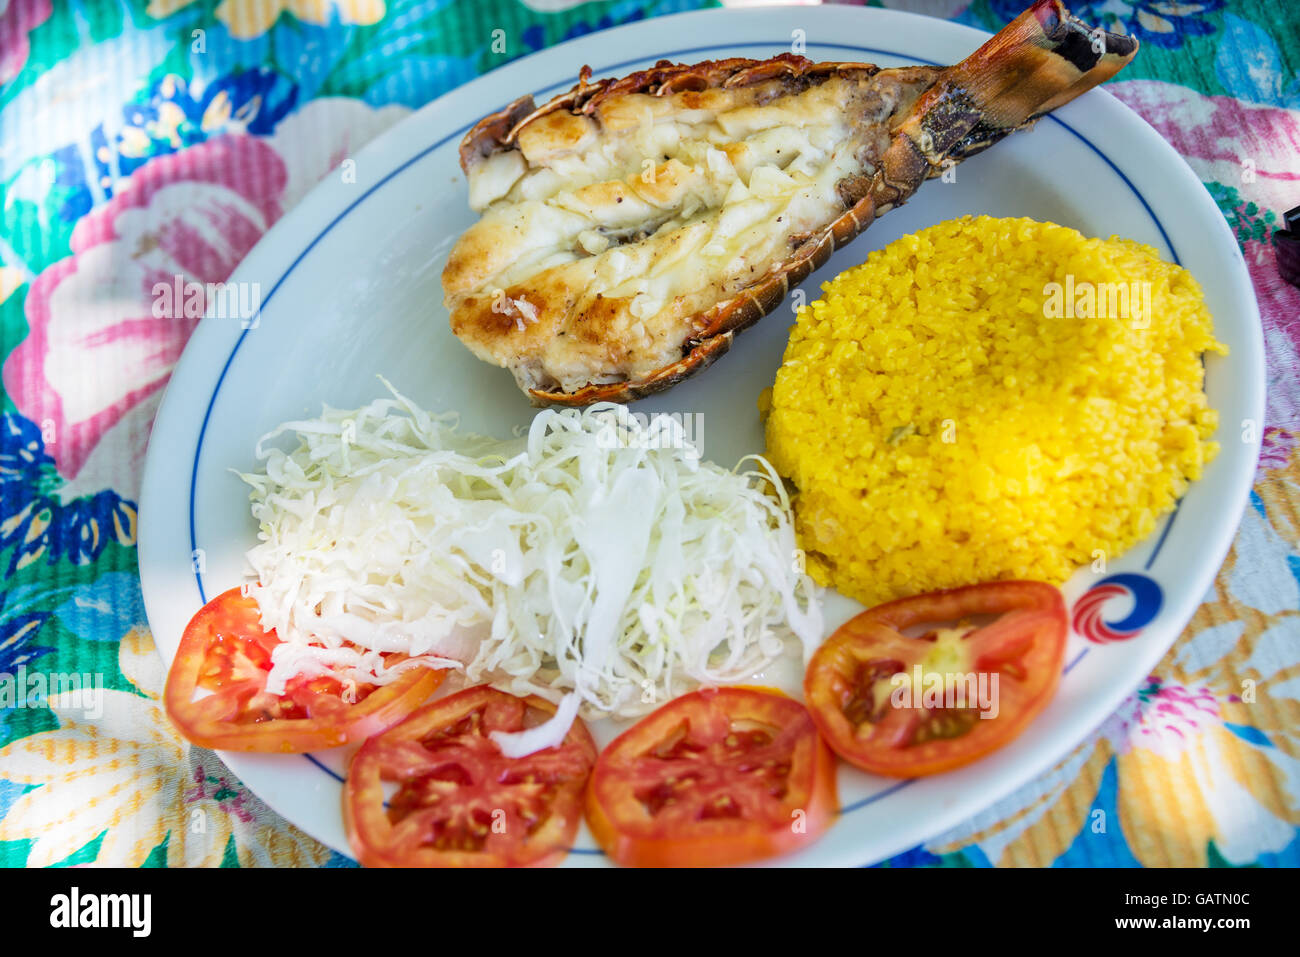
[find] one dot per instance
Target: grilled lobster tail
(576, 326)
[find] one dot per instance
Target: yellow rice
(940, 430)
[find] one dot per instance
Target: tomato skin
(225, 649)
(632, 836)
(442, 750)
(1025, 647)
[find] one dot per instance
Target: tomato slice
(978, 688)
(226, 651)
(715, 777)
(459, 801)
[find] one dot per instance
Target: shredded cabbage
(598, 556)
(549, 734)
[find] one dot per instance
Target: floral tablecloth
(140, 139)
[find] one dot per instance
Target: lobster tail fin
(1041, 60)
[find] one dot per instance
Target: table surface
(127, 132)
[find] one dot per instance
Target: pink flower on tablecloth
(1224, 140)
(17, 19)
(1250, 150)
(97, 356)
(98, 346)
(947, 9)
(1163, 717)
(1279, 308)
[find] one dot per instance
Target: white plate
(350, 289)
